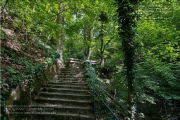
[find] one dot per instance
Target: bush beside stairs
(65, 98)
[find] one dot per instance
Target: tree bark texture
(60, 21)
(126, 14)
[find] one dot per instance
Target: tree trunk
(102, 46)
(89, 53)
(60, 21)
(126, 13)
(88, 38)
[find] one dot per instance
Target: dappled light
(90, 59)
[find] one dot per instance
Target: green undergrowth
(23, 56)
(97, 92)
(20, 67)
(93, 82)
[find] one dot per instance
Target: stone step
(66, 86)
(58, 104)
(70, 73)
(81, 83)
(71, 70)
(71, 78)
(55, 116)
(50, 108)
(64, 90)
(67, 83)
(60, 76)
(56, 108)
(63, 101)
(66, 98)
(65, 95)
(46, 107)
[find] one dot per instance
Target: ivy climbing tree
(126, 13)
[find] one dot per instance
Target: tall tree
(60, 21)
(88, 38)
(126, 14)
(103, 19)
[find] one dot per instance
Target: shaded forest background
(35, 33)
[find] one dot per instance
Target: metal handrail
(79, 60)
(107, 106)
(124, 111)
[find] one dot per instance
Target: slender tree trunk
(102, 45)
(126, 13)
(89, 53)
(60, 21)
(85, 41)
(88, 38)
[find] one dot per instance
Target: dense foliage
(30, 33)
(25, 51)
(156, 61)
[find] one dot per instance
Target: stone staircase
(65, 98)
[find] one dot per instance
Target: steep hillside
(22, 56)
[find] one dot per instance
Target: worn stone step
(71, 70)
(55, 116)
(63, 101)
(56, 108)
(65, 95)
(64, 90)
(81, 83)
(51, 108)
(60, 82)
(71, 81)
(70, 73)
(62, 76)
(68, 82)
(68, 77)
(66, 86)
(58, 104)
(71, 78)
